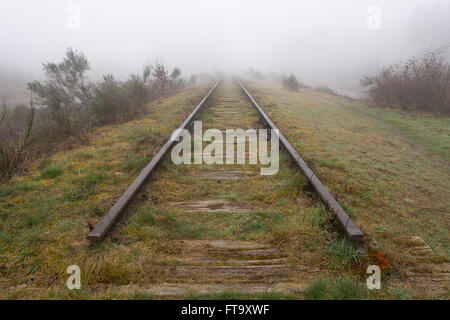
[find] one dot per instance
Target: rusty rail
(105, 224)
(349, 226)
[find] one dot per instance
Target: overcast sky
(331, 42)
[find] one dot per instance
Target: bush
(71, 105)
(421, 84)
(291, 83)
(115, 101)
(108, 101)
(14, 145)
(66, 93)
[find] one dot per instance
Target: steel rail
(347, 223)
(105, 224)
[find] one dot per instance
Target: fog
(323, 42)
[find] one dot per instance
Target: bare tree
(161, 82)
(13, 146)
(291, 83)
(4, 111)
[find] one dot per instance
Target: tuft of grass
(402, 293)
(343, 254)
(162, 224)
(347, 208)
(317, 290)
(337, 289)
(260, 221)
(78, 194)
(142, 295)
(51, 172)
(137, 163)
(92, 179)
(347, 289)
(145, 217)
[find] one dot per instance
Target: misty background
(322, 42)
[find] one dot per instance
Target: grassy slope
(421, 129)
(391, 188)
(44, 215)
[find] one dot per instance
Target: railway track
(215, 217)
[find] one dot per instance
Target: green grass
(336, 289)
(137, 163)
(51, 172)
(163, 224)
(424, 129)
(342, 254)
(6, 190)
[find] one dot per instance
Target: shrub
(108, 102)
(14, 145)
(161, 76)
(115, 100)
(421, 84)
(66, 92)
(175, 81)
(71, 105)
(291, 83)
